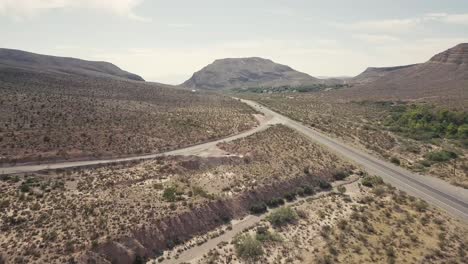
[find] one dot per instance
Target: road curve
(450, 198)
(435, 191)
(198, 149)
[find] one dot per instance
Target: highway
(450, 198)
(437, 192)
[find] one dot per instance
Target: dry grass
(47, 117)
(379, 225)
(55, 217)
(360, 124)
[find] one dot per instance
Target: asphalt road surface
(452, 199)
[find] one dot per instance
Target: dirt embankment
(150, 241)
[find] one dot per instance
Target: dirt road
(435, 191)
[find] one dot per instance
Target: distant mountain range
(30, 62)
(445, 75)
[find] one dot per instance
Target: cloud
(460, 19)
(403, 24)
(20, 9)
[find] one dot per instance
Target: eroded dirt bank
(149, 241)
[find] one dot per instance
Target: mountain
(31, 62)
(247, 72)
(444, 76)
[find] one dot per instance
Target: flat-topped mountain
(247, 72)
(373, 73)
(27, 61)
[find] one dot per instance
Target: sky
(167, 41)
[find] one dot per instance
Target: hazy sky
(166, 41)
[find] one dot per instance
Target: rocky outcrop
(455, 55)
(149, 241)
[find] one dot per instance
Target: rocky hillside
(443, 78)
(373, 73)
(246, 73)
(31, 62)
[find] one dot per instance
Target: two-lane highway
(435, 191)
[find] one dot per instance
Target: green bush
(264, 235)
(423, 122)
(275, 202)
(247, 247)
(170, 194)
(441, 156)
(282, 216)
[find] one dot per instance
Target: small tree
(282, 216)
(247, 247)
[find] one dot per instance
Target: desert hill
(443, 77)
(247, 72)
(31, 62)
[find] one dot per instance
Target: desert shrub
(308, 190)
(258, 208)
(341, 189)
(290, 196)
(370, 181)
(282, 216)
(247, 247)
(379, 191)
(421, 205)
(275, 202)
(25, 187)
(138, 260)
(264, 235)
(324, 184)
(200, 192)
(441, 156)
(170, 194)
(340, 175)
(395, 160)
(300, 191)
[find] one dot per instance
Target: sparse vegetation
(282, 216)
(401, 132)
(57, 117)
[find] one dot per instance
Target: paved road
(452, 199)
(437, 192)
